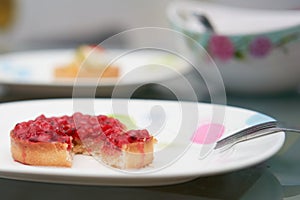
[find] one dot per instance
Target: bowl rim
(175, 20)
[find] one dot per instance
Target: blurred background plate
(32, 72)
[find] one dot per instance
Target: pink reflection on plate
(208, 133)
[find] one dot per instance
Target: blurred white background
(55, 23)
(61, 23)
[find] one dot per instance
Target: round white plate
(166, 120)
(33, 71)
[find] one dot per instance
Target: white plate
(174, 115)
(33, 71)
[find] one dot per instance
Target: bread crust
(139, 154)
(130, 156)
(40, 153)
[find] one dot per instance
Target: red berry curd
(65, 129)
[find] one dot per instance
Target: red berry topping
(65, 128)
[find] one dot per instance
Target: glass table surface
(276, 178)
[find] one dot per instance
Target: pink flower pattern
(260, 46)
(226, 48)
(221, 47)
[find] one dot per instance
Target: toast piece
(53, 141)
(89, 62)
(73, 70)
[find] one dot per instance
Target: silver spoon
(252, 132)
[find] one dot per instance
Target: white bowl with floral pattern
(257, 51)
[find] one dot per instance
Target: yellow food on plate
(89, 62)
